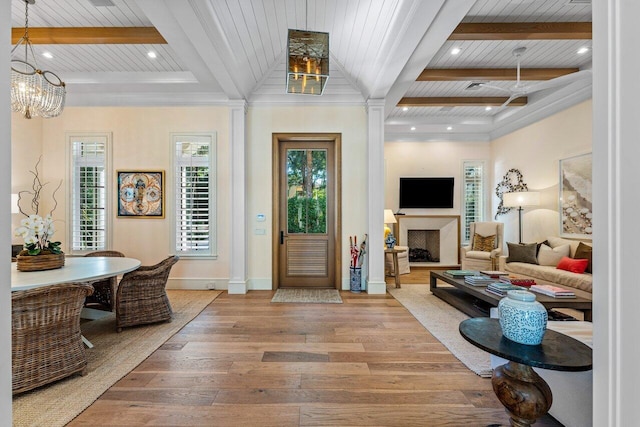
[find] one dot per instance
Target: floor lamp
(519, 200)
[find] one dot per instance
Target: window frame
(71, 138)
(176, 137)
(463, 203)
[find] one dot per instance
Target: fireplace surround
(433, 240)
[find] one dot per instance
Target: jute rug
(320, 296)
(442, 321)
(113, 356)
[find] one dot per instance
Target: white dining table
(75, 269)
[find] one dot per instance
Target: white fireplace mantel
(449, 227)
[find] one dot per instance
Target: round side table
(524, 394)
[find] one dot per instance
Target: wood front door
(306, 207)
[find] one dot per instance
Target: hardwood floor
(246, 362)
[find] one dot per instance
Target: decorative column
(237, 130)
(375, 177)
(5, 216)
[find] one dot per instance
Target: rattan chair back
(46, 342)
(142, 297)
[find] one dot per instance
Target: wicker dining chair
(103, 297)
(142, 298)
(46, 342)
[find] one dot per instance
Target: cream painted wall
(430, 159)
(141, 140)
(26, 148)
(262, 122)
(536, 150)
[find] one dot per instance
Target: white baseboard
(197, 284)
(260, 284)
(376, 288)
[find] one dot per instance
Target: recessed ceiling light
(413, 128)
(47, 55)
(449, 127)
(405, 108)
(583, 50)
(487, 108)
(455, 51)
(151, 54)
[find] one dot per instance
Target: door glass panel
(306, 191)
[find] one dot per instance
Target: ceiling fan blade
(511, 98)
(559, 81)
(490, 86)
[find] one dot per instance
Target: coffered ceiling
(211, 51)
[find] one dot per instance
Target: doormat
(318, 296)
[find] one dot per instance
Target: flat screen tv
(426, 193)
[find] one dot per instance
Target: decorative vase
(522, 318)
(390, 241)
(39, 262)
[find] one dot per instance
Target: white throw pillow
(551, 257)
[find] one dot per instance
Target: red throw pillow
(573, 265)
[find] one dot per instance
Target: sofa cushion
(552, 256)
(584, 251)
(522, 252)
(559, 241)
(479, 255)
(550, 274)
(484, 243)
(574, 265)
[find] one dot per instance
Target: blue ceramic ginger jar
(522, 318)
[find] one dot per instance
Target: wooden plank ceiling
(498, 32)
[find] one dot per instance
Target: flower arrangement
(34, 229)
(37, 232)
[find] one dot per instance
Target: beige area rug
(442, 321)
(113, 356)
(320, 296)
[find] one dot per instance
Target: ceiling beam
(90, 35)
(464, 74)
(460, 101)
(523, 31)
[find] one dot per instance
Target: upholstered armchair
(142, 296)
(46, 342)
(104, 294)
(485, 246)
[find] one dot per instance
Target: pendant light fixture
(34, 92)
(307, 60)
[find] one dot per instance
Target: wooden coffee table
(466, 298)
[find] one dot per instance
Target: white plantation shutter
(194, 194)
(473, 195)
(89, 193)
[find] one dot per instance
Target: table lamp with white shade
(520, 199)
(389, 218)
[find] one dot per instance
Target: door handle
(281, 237)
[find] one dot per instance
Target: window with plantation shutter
(473, 203)
(194, 157)
(89, 189)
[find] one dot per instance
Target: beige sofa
(550, 274)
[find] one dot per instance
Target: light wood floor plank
(246, 362)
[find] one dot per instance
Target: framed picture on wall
(576, 214)
(141, 194)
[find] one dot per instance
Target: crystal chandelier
(34, 92)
